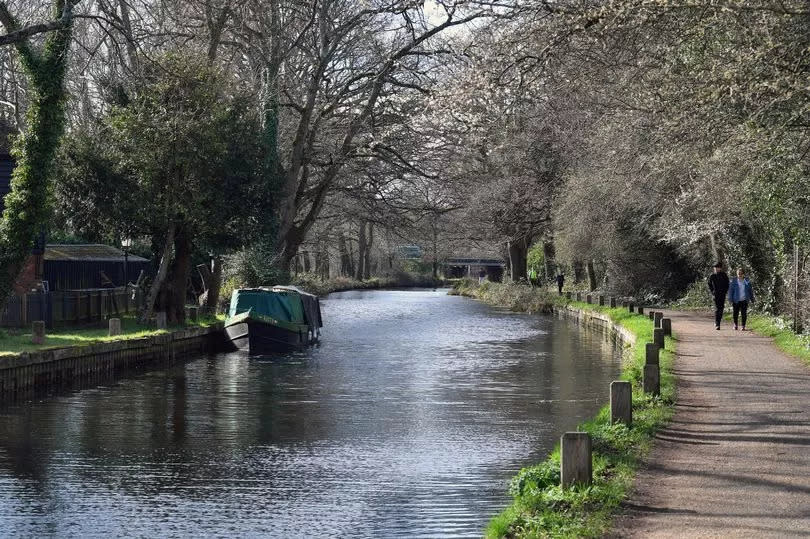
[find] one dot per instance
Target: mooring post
(160, 320)
(652, 382)
(589, 299)
(612, 303)
(115, 326)
(658, 337)
(651, 353)
(38, 332)
(601, 300)
(658, 317)
(666, 325)
(575, 458)
(621, 402)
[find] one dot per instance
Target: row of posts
(576, 462)
(114, 328)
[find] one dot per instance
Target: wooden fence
(69, 307)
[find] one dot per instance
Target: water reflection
(407, 421)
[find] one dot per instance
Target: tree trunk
(361, 251)
(367, 257)
(579, 270)
(160, 277)
(518, 253)
(212, 301)
(591, 276)
(181, 271)
(345, 257)
(548, 259)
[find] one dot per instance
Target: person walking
(740, 293)
(533, 277)
(482, 276)
(718, 286)
(560, 282)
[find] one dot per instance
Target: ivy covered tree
(26, 206)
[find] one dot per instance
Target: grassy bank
(15, 342)
(313, 284)
(540, 507)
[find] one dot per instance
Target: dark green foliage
(26, 206)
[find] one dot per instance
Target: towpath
(735, 460)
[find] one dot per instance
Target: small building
(78, 267)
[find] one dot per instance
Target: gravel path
(735, 461)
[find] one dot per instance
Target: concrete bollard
(191, 313)
(621, 402)
(666, 325)
(576, 464)
(160, 320)
(589, 299)
(651, 351)
(115, 327)
(658, 337)
(612, 303)
(640, 310)
(652, 383)
(38, 332)
(658, 317)
(601, 300)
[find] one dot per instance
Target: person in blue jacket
(740, 293)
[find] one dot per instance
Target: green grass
(15, 343)
(540, 507)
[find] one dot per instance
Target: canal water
(407, 421)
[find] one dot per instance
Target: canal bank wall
(44, 371)
(596, 320)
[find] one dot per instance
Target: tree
(26, 206)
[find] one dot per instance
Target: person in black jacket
(718, 285)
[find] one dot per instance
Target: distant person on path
(482, 275)
(718, 285)
(532, 276)
(560, 282)
(739, 294)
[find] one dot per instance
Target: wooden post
(575, 458)
(630, 307)
(160, 320)
(192, 313)
(613, 303)
(652, 315)
(666, 325)
(658, 337)
(579, 296)
(115, 326)
(652, 382)
(601, 300)
(658, 317)
(640, 310)
(621, 402)
(568, 296)
(651, 353)
(38, 332)
(589, 299)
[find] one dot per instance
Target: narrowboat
(273, 319)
